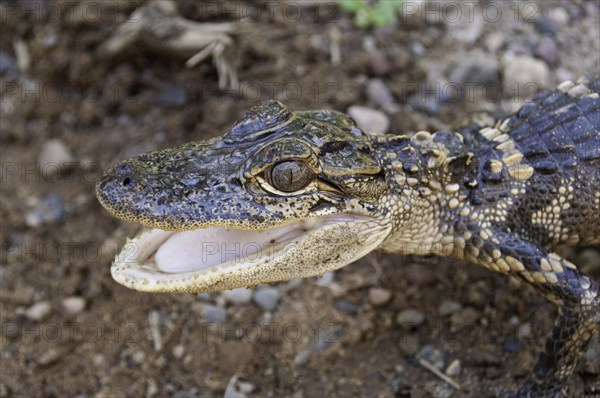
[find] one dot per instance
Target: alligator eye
(290, 176)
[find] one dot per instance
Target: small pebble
(73, 305)
(494, 41)
(346, 306)
(213, 314)
(547, 26)
(476, 69)
(55, 158)
(266, 298)
(410, 318)
(379, 296)
(326, 279)
(380, 94)
(238, 296)
(51, 356)
(454, 369)
(467, 316)
(409, 345)
(559, 16)
(369, 120)
(49, 210)
(39, 311)
(448, 307)
(547, 51)
(302, 357)
(178, 351)
(521, 72)
(437, 358)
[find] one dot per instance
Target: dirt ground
(69, 330)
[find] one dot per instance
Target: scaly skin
(316, 193)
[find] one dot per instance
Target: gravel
(73, 305)
(55, 158)
(38, 311)
(379, 296)
(369, 120)
(521, 72)
(50, 210)
(449, 307)
(266, 298)
(238, 296)
(410, 317)
(213, 314)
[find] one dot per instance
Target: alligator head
(282, 195)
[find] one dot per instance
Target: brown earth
(327, 339)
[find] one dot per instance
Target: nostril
(126, 181)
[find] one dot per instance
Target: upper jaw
(152, 262)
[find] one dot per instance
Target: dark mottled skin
(502, 195)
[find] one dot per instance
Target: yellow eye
(290, 176)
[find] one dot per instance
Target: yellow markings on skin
(521, 171)
(465, 211)
(451, 188)
(446, 240)
(502, 138)
(539, 277)
(495, 166)
(527, 275)
(545, 265)
(400, 178)
(565, 86)
(515, 264)
(460, 243)
(412, 181)
(512, 158)
(506, 146)
(435, 185)
(490, 133)
(422, 135)
(578, 91)
(551, 278)
(453, 203)
(502, 265)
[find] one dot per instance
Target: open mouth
(217, 258)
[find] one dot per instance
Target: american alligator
(286, 195)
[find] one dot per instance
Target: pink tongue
(203, 248)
